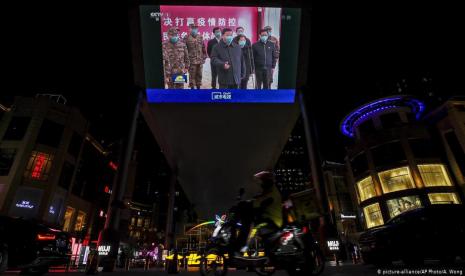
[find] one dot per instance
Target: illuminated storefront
(396, 180)
(80, 221)
(67, 220)
(38, 167)
(434, 175)
(395, 163)
(443, 198)
(366, 188)
(373, 215)
(399, 205)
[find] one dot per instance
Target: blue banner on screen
(220, 96)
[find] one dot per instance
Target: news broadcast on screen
(209, 54)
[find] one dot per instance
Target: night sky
(358, 52)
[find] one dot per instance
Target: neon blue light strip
(220, 96)
(369, 110)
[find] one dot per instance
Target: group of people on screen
(234, 60)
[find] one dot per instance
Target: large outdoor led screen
(211, 54)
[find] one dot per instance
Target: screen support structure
(110, 235)
(313, 156)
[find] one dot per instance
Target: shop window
(7, 156)
(133, 221)
(39, 165)
(443, 198)
(50, 133)
(434, 175)
(399, 205)
(396, 180)
(366, 188)
(26, 202)
(17, 128)
(80, 221)
(388, 154)
(139, 222)
(69, 213)
(373, 215)
(147, 223)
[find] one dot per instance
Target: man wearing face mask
(264, 55)
(175, 58)
(242, 40)
(228, 60)
(276, 44)
(240, 31)
(211, 43)
(197, 56)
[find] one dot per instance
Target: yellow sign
(193, 259)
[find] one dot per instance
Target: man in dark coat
(242, 41)
(228, 59)
(211, 43)
(265, 58)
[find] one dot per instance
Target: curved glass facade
(434, 175)
(373, 216)
(399, 205)
(443, 198)
(366, 189)
(396, 180)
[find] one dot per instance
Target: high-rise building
(292, 170)
(396, 163)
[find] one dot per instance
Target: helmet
(264, 175)
(266, 178)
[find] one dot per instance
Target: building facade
(449, 120)
(396, 162)
(51, 169)
(341, 199)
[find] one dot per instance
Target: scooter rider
(267, 208)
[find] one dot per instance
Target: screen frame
(302, 47)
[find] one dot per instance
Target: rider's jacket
(270, 205)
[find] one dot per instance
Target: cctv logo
(221, 96)
(156, 15)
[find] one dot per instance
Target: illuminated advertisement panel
(217, 54)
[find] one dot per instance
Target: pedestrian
(228, 60)
(175, 60)
(197, 56)
(264, 55)
(92, 262)
(211, 43)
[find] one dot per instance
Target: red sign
(208, 17)
(113, 166)
(39, 166)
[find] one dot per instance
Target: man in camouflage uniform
(175, 58)
(197, 56)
